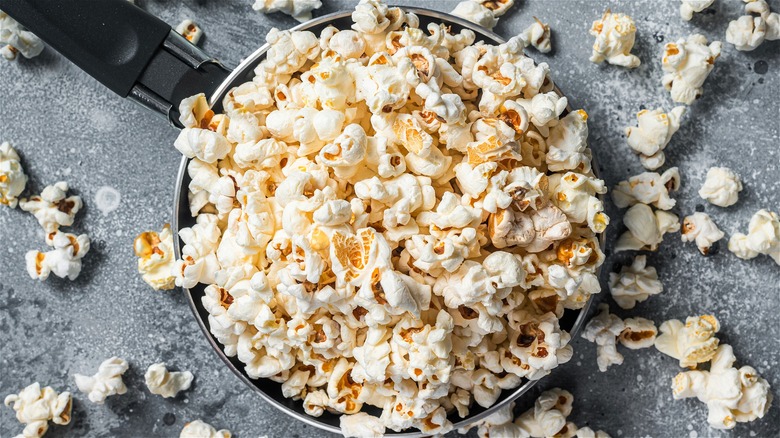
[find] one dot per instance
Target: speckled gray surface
(68, 127)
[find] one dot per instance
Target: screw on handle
(128, 50)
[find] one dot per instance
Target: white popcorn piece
(691, 343)
(199, 261)
(686, 64)
(604, 329)
(646, 228)
(203, 144)
(648, 188)
(652, 134)
(568, 147)
(189, 30)
(638, 333)
(298, 9)
(15, 39)
(750, 31)
(474, 11)
(732, 395)
(548, 416)
(586, 432)
(538, 36)
(36, 406)
(763, 237)
(64, 260)
(361, 425)
(634, 283)
(700, 228)
(721, 187)
(166, 383)
(53, 208)
(155, 258)
(199, 429)
(106, 382)
(12, 177)
(615, 35)
(689, 7)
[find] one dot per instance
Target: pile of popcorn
(392, 216)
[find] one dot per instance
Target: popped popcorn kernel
(36, 406)
(155, 258)
(12, 176)
(106, 382)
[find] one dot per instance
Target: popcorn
(537, 35)
(687, 63)
(700, 228)
(586, 432)
(106, 382)
(548, 416)
(691, 343)
(638, 333)
(189, 30)
(361, 425)
(35, 407)
(12, 177)
(199, 429)
(634, 283)
(378, 232)
(298, 9)
(749, 31)
(615, 34)
(763, 237)
(476, 12)
(162, 382)
(648, 188)
(688, 7)
(52, 208)
(155, 258)
(15, 39)
(646, 228)
(732, 395)
(721, 187)
(604, 329)
(654, 131)
(64, 260)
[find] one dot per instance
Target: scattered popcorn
(648, 188)
(15, 39)
(298, 9)
(155, 258)
(199, 429)
(53, 208)
(361, 425)
(548, 416)
(763, 237)
(12, 177)
(638, 333)
(604, 329)
(646, 228)
(189, 30)
(652, 135)
(538, 36)
(166, 383)
(687, 63)
(691, 343)
(64, 260)
(392, 217)
(615, 35)
(732, 395)
(35, 407)
(634, 283)
(721, 187)
(688, 7)
(586, 432)
(749, 31)
(700, 228)
(106, 382)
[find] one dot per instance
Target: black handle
(128, 50)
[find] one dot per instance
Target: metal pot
(139, 57)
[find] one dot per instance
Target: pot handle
(128, 50)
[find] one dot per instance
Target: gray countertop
(67, 127)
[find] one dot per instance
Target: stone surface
(67, 127)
